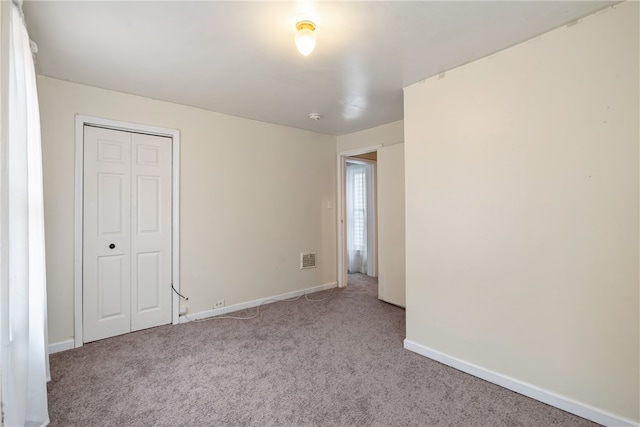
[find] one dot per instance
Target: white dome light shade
(305, 37)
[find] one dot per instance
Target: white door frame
(341, 211)
(174, 134)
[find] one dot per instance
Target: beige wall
(253, 196)
(522, 212)
(390, 174)
(389, 134)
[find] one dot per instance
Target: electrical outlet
(183, 311)
(219, 304)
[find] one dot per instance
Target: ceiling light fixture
(305, 37)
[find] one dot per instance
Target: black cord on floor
(179, 294)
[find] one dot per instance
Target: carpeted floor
(337, 362)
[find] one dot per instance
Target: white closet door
(391, 253)
(106, 296)
(150, 231)
(126, 232)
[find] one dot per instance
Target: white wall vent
(308, 260)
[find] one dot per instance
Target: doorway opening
(358, 242)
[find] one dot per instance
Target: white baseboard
(255, 303)
(545, 396)
(61, 346)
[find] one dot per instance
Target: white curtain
(361, 222)
(23, 300)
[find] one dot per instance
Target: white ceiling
(239, 58)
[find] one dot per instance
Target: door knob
(111, 246)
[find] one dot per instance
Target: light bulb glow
(305, 37)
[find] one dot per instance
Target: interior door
(391, 252)
(106, 293)
(126, 232)
(150, 231)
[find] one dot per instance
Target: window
(359, 208)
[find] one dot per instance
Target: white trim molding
(577, 408)
(255, 303)
(57, 347)
(174, 134)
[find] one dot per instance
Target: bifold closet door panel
(150, 231)
(106, 293)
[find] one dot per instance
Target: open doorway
(389, 219)
(360, 245)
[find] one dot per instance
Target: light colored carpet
(338, 362)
